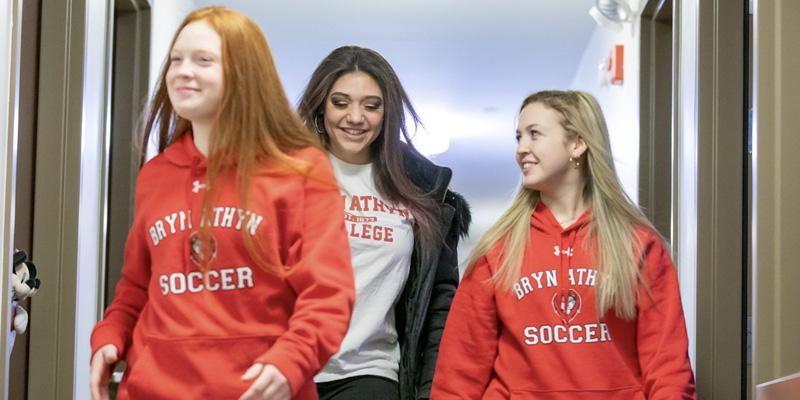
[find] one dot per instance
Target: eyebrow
(527, 128)
(193, 51)
(348, 96)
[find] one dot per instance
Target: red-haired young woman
(237, 280)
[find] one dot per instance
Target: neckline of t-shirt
(349, 167)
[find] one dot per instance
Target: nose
(522, 147)
(183, 69)
(355, 115)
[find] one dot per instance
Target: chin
(183, 110)
(191, 114)
(353, 150)
(529, 183)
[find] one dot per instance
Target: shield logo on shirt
(567, 304)
(197, 251)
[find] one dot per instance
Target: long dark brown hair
(390, 174)
(255, 121)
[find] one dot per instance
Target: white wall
(685, 154)
(620, 103)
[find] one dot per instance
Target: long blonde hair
(612, 241)
(255, 122)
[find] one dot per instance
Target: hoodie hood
(545, 222)
(184, 153)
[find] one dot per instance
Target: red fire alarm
(616, 64)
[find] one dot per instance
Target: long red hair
(255, 122)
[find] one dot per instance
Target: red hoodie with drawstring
(190, 334)
(544, 340)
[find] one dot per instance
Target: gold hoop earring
(316, 125)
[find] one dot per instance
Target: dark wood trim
(655, 115)
(26, 150)
(720, 192)
(776, 145)
(56, 199)
(129, 95)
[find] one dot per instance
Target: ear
(578, 147)
(19, 257)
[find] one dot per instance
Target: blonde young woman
(572, 293)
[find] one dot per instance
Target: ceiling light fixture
(611, 14)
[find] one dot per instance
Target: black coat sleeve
(444, 289)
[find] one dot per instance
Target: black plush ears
(19, 257)
(29, 279)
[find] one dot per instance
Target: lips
(525, 165)
(186, 90)
(354, 133)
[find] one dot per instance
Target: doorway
(655, 116)
(128, 97)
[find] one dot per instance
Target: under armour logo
(196, 186)
(557, 251)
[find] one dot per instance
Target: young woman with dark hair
(403, 224)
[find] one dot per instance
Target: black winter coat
(422, 309)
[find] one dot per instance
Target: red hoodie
(191, 336)
(545, 340)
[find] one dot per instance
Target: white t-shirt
(381, 241)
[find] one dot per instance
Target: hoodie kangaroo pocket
(627, 393)
(194, 368)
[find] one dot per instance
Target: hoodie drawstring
(568, 251)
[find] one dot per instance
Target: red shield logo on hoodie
(567, 304)
(197, 251)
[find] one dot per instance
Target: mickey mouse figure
(24, 284)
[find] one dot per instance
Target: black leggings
(366, 387)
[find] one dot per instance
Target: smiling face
(544, 149)
(195, 75)
(353, 116)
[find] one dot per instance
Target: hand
(269, 383)
(102, 364)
